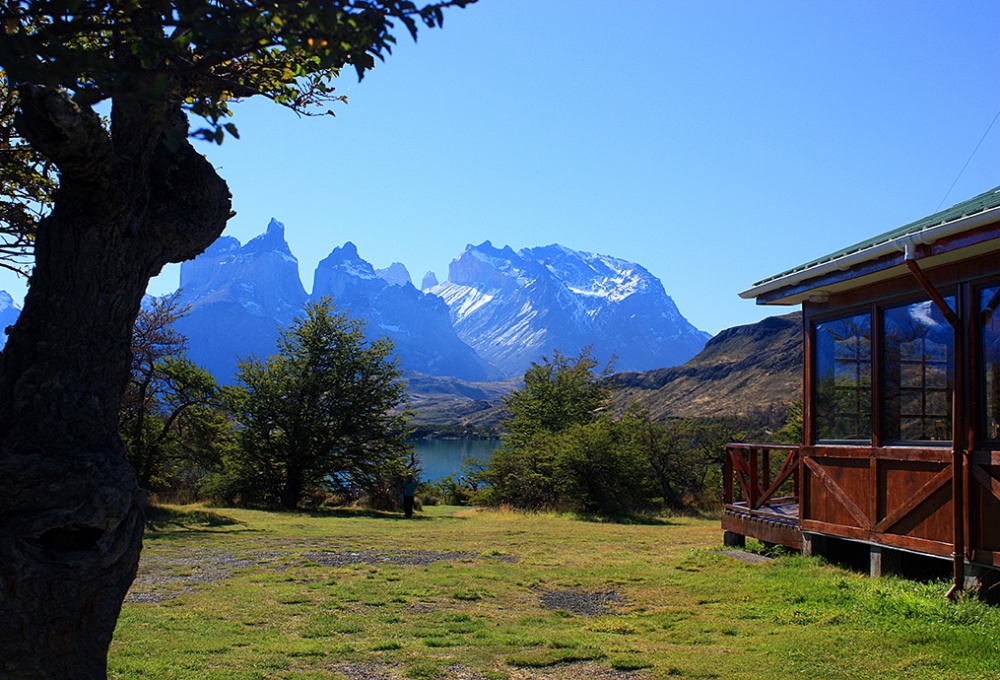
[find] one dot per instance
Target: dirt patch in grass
(744, 556)
(165, 578)
(587, 670)
(400, 557)
(581, 602)
(161, 579)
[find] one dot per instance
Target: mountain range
(514, 307)
(498, 311)
(239, 294)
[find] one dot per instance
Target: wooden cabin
(900, 450)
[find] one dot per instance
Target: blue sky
(715, 143)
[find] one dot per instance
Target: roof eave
(926, 236)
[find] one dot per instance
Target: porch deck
(752, 506)
(775, 523)
(891, 498)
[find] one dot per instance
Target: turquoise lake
(442, 457)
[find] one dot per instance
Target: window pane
(918, 373)
(843, 378)
(990, 316)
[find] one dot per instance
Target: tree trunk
(291, 490)
(71, 511)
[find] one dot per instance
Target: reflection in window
(989, 301)
(843, 378)
(918, 373)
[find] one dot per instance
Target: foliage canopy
(565, 448)
(155, 57)
(323, 412)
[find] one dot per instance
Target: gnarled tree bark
(71, 512)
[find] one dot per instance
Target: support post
(957, 424)
(727, 476)
(733, 540)
(885, 560)
(813, 545)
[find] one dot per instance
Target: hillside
(441, 403)
(740, 371)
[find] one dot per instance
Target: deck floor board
(775, 523)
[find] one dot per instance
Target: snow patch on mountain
(417, 322)
(515, 307)
(463, 300)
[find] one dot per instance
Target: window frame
(875, 309)
(815, 322)
(979, 390)
(884, 307)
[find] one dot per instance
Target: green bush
(447, 490)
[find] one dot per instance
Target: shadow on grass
(635, 519)
(163, 520)
(348, 513)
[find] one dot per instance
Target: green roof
(984, 201)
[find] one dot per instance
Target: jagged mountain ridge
(240, 295)
(418, 323)
(513, 307)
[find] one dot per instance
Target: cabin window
(843, 362)
(917, 372)
(989, 301)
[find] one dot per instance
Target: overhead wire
(988, 128)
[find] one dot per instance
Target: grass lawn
(476, 594)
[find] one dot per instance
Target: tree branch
(70, 136)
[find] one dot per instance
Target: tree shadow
(163, 520)
(349, 513)
(640, 519)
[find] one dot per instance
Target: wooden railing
(748, 470)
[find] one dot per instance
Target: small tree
(673, 462)
(564, 449)
(598, 469)
(168, 419)
(323, 412)
(558, 395)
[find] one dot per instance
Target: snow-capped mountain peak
(498, 311)
(514, 307)
(9, 311)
